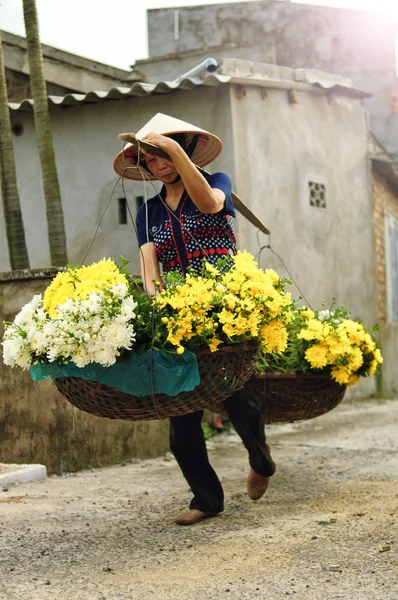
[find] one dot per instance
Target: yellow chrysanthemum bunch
(328, 342)
(222, 306)
(78, 283)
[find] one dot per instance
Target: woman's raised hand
(163, 142)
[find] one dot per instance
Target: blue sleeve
(143, 230)
(222, 182)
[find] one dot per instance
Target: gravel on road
(326, 529)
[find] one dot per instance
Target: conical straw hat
(207, 149)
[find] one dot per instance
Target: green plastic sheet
(138, 374)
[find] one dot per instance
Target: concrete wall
(38, 425)
(280, 147)
(171, 67)
(18, 87)
(358, 44)
(63, 70)
(85, 141)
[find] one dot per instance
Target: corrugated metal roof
(120, 93)
(167, 87)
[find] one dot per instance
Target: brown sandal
(190, 517)
(257, 485)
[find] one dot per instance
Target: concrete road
(326, 530)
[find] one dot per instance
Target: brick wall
(385, 200)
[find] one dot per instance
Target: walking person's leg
(246, 418)
(188, 445)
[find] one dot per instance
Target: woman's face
(163, 169)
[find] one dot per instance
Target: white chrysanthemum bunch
(86, 330)
(24, 337)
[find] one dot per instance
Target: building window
(122, 211)
(17, 129)
(139, 201)
(317, 194)
(391, 238)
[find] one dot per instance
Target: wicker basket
(290, 397)
(221, 374)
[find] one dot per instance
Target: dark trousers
(189, 448)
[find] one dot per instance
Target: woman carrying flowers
(187, 223)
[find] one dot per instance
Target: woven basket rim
(226, 348)
(275, 375)
(220, 376)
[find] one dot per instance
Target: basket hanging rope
(221, 374)
(291, 397)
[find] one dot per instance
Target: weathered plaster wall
(279, 148)
(359, 44)
(38, 425)
(333, 37)
(18, 87)
(63, 70)
(385, 202)
(169, 68)
(85, 141)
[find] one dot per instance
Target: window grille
(317, 194)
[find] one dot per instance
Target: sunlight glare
(383, 6)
